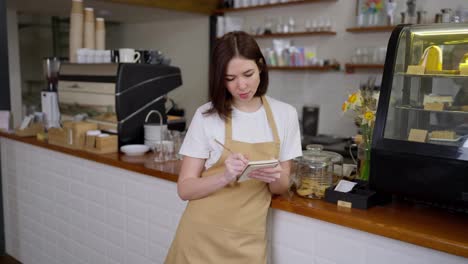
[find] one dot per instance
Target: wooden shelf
(303, 68)
(295, 34)
(370, 29)
(350, 68)
(225, 10)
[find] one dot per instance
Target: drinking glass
(158, 150)
(177, 139)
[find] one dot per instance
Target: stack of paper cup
(89, 30)
(100, 34)
(76, 29)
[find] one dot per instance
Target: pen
(230, 151)
(221, 144)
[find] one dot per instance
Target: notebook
(255, 165)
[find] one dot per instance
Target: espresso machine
(49, 98)
(116, 96)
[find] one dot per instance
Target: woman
(225, 220)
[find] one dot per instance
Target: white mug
(153, 132)
(128, 55)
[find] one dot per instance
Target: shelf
(448, 76)
(225, 10)
(350, 68)
(414, 108)
(303, 68)
(295, 34)
(370, 29)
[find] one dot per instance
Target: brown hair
(232, 44)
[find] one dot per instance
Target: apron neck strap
(271, 120)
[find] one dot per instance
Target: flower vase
(364, 152)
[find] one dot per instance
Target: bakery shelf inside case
(420, 141)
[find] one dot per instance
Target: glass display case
(420, 141)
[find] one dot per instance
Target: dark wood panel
(8, 260)
(221, 11)
(200, 6)
(351, 68)
(4, 68)
(370, 29)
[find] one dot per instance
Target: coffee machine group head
(49, 98)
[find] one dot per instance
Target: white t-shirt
(246, 127)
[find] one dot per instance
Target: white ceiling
(110, 11)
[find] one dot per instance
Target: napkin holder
(361, 196)
(101, 145)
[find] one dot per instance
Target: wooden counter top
(427, 227)
(167, 170)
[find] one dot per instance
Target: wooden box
(72, 135)
(102, 145)
(30, 131)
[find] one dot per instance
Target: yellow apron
(228, 226)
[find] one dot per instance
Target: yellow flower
(344, 107)
(352, 98)
(369, 116)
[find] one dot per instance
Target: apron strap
(271, 120)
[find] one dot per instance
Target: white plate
(134, 150)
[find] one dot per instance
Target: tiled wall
(303, 240)
(65, 210)
(62, 209)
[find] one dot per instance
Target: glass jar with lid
(315, 170)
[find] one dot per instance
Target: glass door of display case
(420, 141)
(429, 106)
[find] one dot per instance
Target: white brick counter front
(60, 209)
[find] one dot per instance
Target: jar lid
(316, 152)
(314, 156)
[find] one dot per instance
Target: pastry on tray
(443, 134)
(437, 102)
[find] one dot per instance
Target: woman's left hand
(267, 175)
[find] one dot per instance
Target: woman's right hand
(234, 166)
